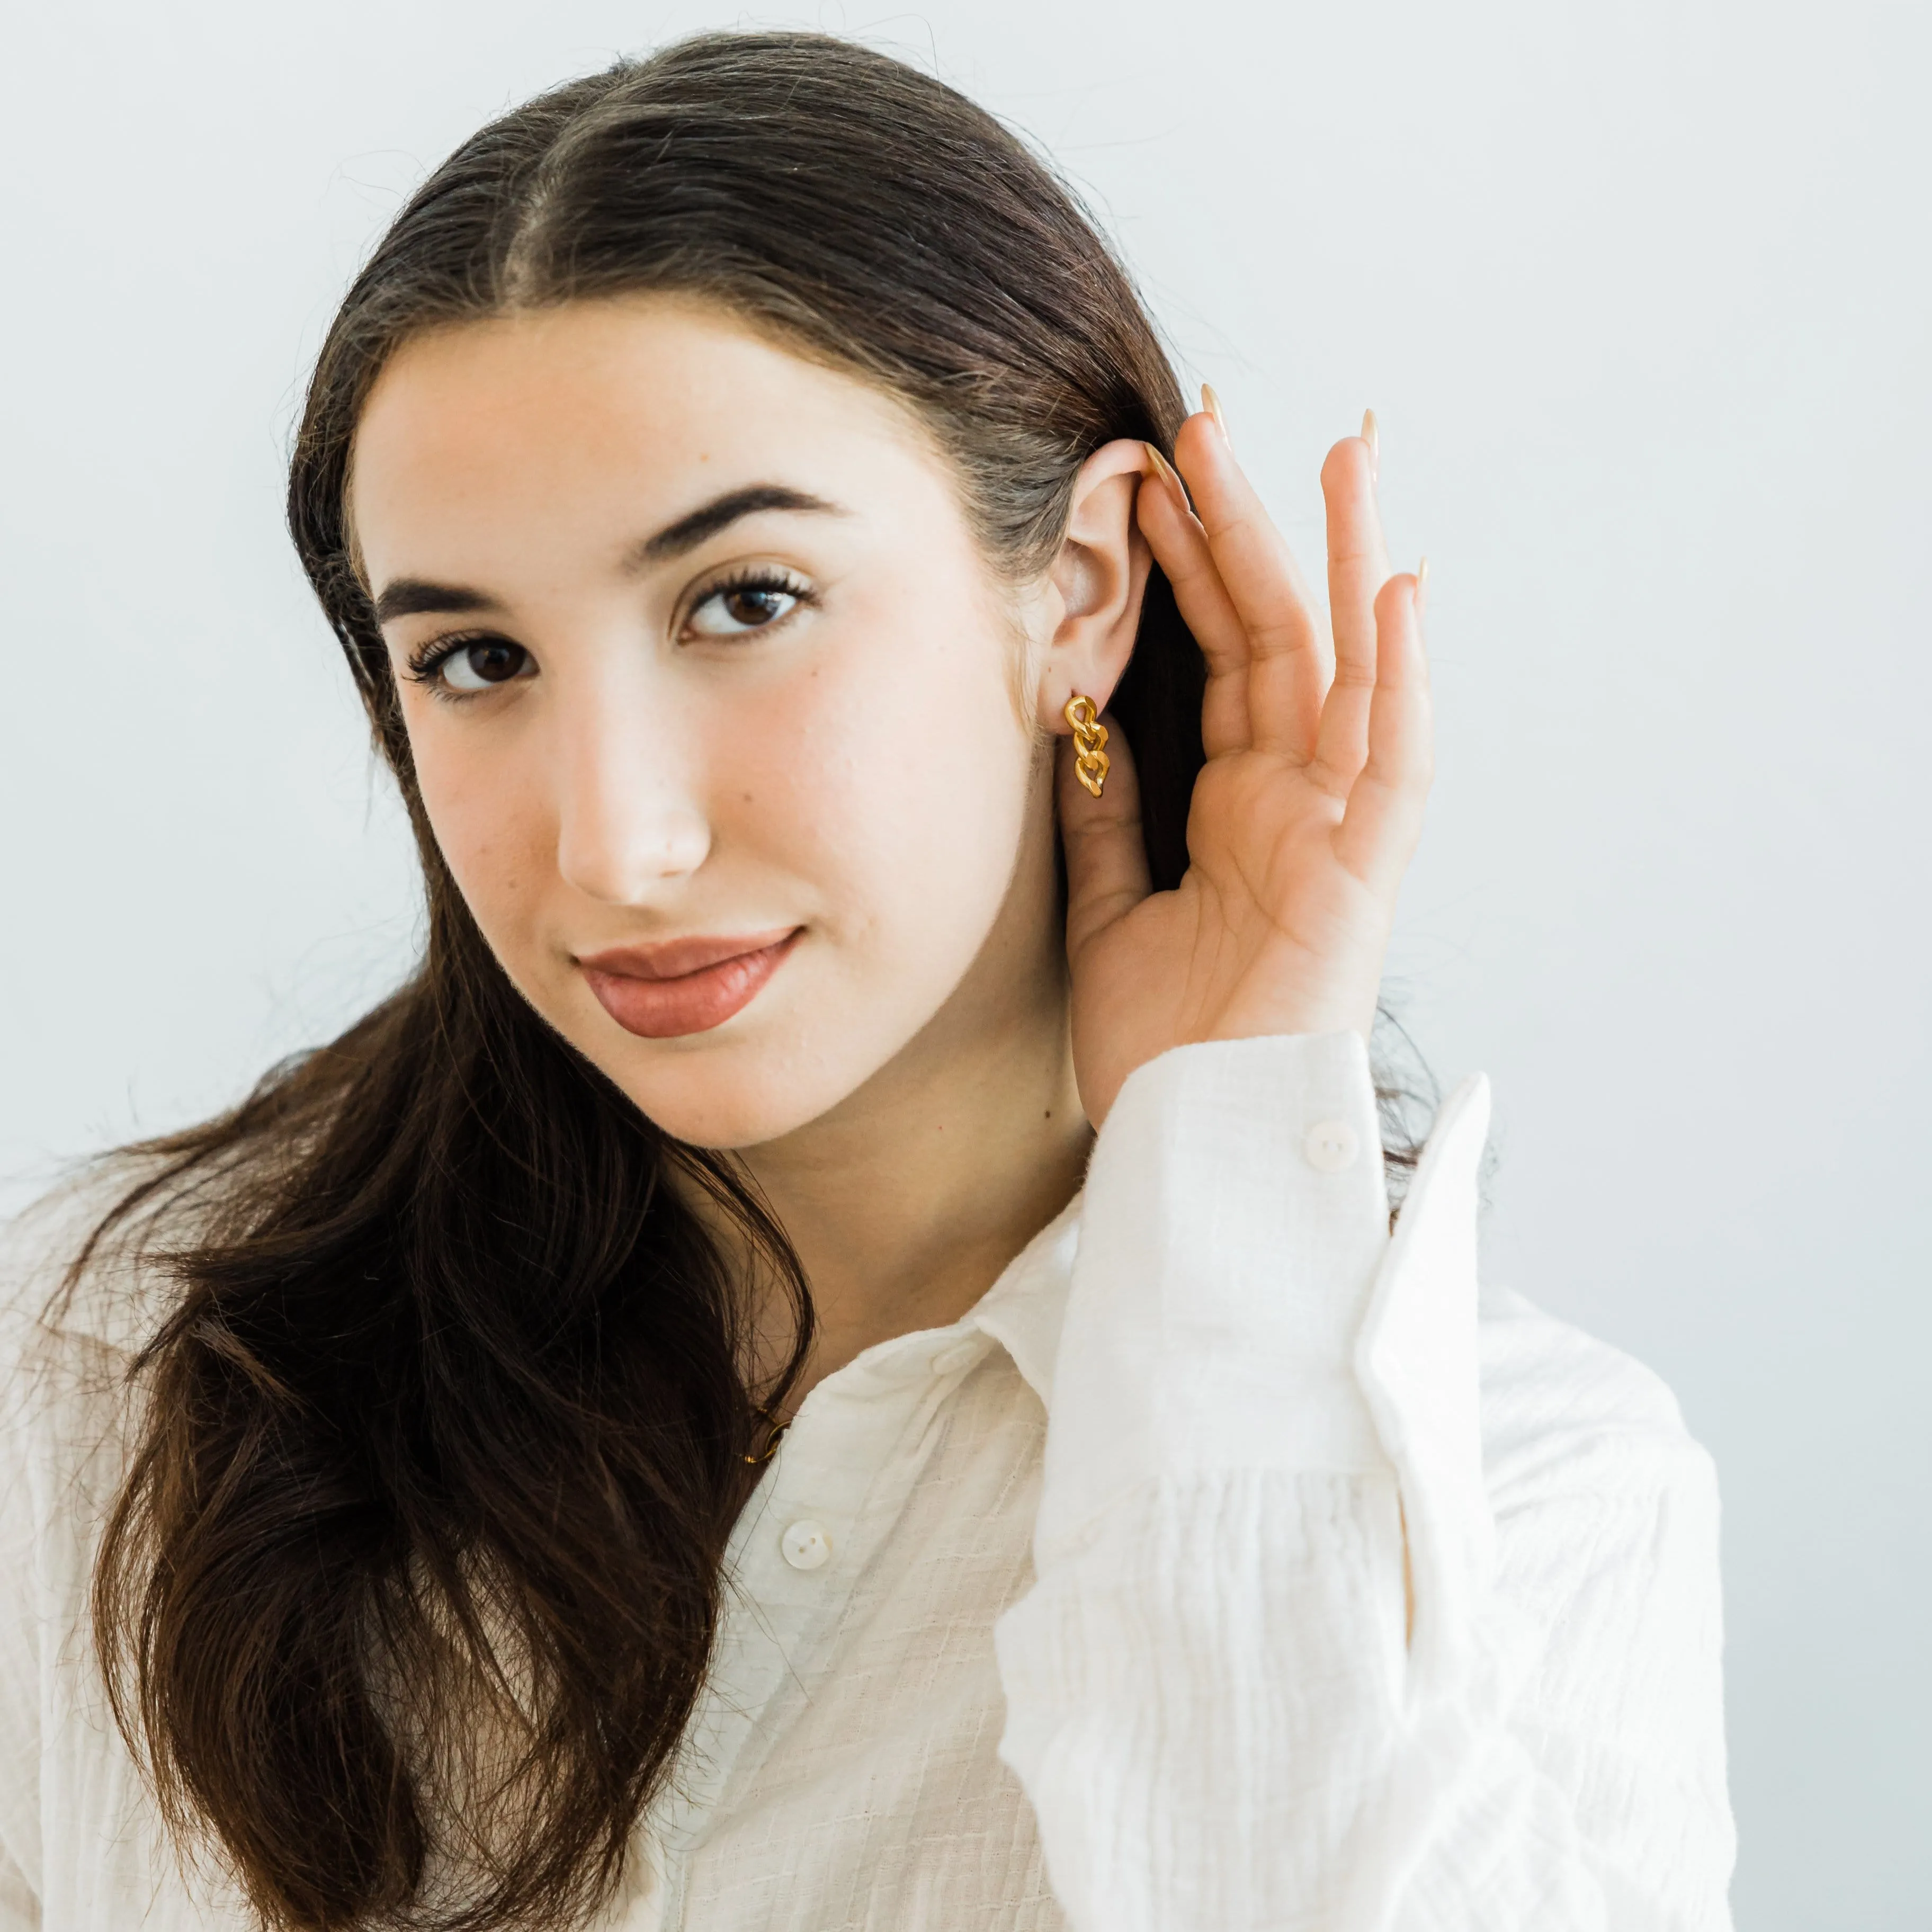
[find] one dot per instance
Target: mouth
(685, 985)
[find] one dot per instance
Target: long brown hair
(411, 1585)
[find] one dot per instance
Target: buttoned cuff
(1233, 1219)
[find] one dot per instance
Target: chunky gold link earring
(1089, 739)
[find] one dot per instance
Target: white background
(1639, 291)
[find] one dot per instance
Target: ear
(1096, 584)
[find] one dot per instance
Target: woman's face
(725, 728)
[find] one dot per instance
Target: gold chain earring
(1089, 739)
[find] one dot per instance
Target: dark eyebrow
(708, 519)
(414, 596)
(411, 596)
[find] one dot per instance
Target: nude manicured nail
(1164, 468)
(1421, 584)
(1371, 437)
(1211, 403)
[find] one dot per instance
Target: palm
(1304, 817)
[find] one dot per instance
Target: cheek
(492, 824)
(899, 778)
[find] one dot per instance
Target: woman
(850, 767)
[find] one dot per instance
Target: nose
(629, 817)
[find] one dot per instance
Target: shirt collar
(1023, 1310)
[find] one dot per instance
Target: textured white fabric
(1141, 1665)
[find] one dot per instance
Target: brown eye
(490, 661)
(752, 608)
(738, 607)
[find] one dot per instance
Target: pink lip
(684, 986)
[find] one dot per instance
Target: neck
(906, 1201)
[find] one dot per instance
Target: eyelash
(423, 664)
(756, 576)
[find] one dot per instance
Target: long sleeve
(1265, 1411)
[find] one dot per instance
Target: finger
(1357, 569)
(1289, 660)
(1180, 546)
(1106, 860)
(1383, 818)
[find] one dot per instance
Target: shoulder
(69, 1337)
(1564, 1412)
(70, 1399)
(51, 1308)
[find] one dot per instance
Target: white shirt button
(1331, 1146)
(806, 1546)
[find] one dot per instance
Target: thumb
(1106, 860)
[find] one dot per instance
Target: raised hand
(1304, 817)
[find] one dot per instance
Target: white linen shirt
(1089, 1610)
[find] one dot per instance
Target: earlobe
(1101, 575)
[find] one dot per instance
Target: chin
(723, 1123)
(732, 1095)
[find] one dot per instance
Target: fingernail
(1421, 585)
(1211, 403)
(1164, 468)
(1370, 436)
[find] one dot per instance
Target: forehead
(648, 399)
